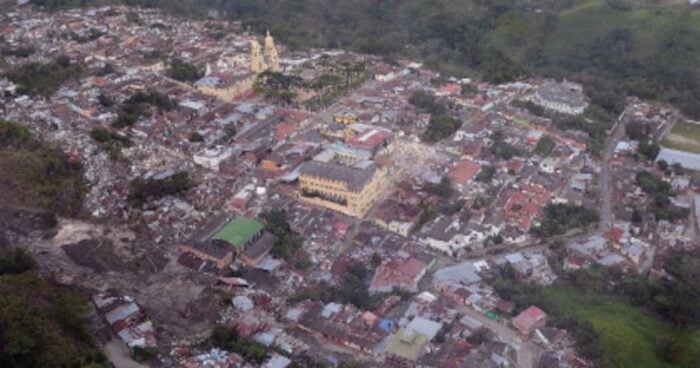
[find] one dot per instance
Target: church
(259, 61)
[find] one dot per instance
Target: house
(399, 274)
(524, 203)
(589, 248)
(450, 89)
(464, 273)
(343, 325)
(397, 216)
(209, 251)
(345, 118)
(425, 327)
(259, 249)
(373, 139)
(530, 320)
(405, 347)
(127, 319)
(463, 172)
(445, 234)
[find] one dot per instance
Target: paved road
(606, 177)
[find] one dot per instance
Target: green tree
(277, 86)
(12, 133)
(486, 174)
(502, 149)
(43, 79)
(143, 190)
(227, 338)
(288, 241)
(560, 218)
(183, 71)
(649, 149)
(426, 102)
(443, 189)
(545, 146)
(441, 127)
(15, 261)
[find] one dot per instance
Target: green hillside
(654, 50)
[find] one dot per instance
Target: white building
(565, 97)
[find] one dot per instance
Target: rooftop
(406, 344)
(688, 160)
(565, 93)
(529, 318)
(355, 177)
(397, 273)
(463, 171)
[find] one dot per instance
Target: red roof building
(515, 165)
(463, 172)
(529, 320)
(284, 130)
(450, 89)
(614, 234)
(370, 139)
(524, 204)
(398, 273)
(472, 149)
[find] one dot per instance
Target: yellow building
(345, 118)
(348, 189)
(271, 53)
(230, 89)
(258, 63)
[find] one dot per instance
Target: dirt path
(119, 355)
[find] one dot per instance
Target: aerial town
(329, 207)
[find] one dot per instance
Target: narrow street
(606, 177)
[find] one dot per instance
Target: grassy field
(684, 137)
(629, 335)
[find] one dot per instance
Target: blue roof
(386, 324)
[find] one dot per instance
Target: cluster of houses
(354, 178)
(127, 319)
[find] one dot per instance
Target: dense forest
(646, 48)
(41, 324)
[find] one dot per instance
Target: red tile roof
(614, 234)
(523, 205)
(284, 130)
(449, 89)
(515, 165)
(463, 172)
(397, 273)
(530, 319)
(369, 139)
